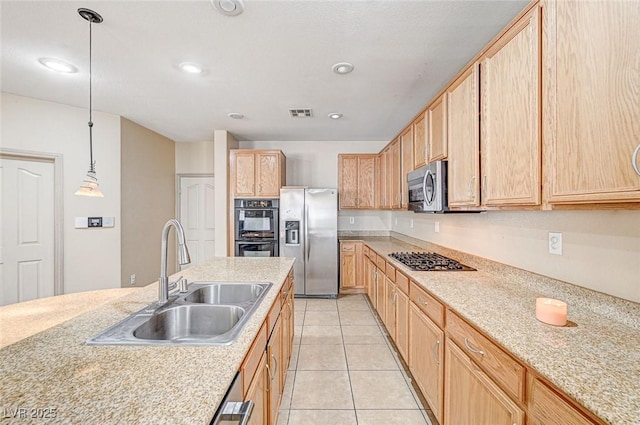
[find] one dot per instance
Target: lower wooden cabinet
(258, 394)
(402, 323)
(426, 342)
(389, 317)
(351, 267)
(274, 365)
(472, 398)
(546, 406)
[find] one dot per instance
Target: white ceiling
(276, 55)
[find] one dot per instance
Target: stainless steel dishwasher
(234, 410)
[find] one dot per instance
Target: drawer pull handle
(421, 301)
(634, 160)
(470, 348)
(269, 373)
(436, 351)
(275, 369)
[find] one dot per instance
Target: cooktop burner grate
(429, 261)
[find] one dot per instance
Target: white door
(197, 215)
(27, 234)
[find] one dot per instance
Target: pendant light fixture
(90, 186)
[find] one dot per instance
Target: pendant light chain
(92, 164)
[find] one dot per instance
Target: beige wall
(223, 142)
(194, 158)
(148, 201)
(91, 256)
(601, 249)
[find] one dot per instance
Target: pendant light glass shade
(90, 186)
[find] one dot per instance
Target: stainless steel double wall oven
(256, 227)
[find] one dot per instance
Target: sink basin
(210, 313)
(190, 322)
(227, 293)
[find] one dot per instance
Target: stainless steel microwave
(427, 188)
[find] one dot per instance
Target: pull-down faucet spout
(183, 257)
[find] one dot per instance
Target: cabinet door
(370, 280)
(390, 307)
(463, 135)
(268, 175)
(243, 173)
(366, 182)
(406, 164)
(347, 265)
(425, 360)
(395, 174)
(287, 331)
(259, 395)
(592, 103)
(472, 397)
(380, 292)
(510, 116)
(385, 177)
(274, 363)
(402, 324)
(420, 141)
(379, 179)
(438, 129)
(348, 181)
(548, 407)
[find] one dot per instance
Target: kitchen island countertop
(82, 384)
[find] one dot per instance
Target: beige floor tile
(293, 364)
(321, 335)
(283, 417)
(287, 393)
(322, 357)
(297, 333)
(359, 305)
(322, 417)
(362, 335)
(322, 390)
(350, 297)
(357, 318)
(370, 357)
(298, 317)
(381, 390)
(321, 318)
(390, 417)
(321, 305)
(299, 304)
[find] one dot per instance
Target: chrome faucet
(183, 257)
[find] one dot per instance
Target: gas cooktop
(429, 261)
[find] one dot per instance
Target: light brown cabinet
(510, 122)
(591, 81)
(406, 163)
(402, 323)
(259, 394)
(471, 396)
(394, 165)
(426, 341)
(389, 318)
(356, 181)
(463, 135)
(351, 266)
(420, 141)
(437, 114)
(274, 366)
(256, 173)
(548, 407)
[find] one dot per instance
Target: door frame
(58, 206)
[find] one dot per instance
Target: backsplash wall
(601, 249)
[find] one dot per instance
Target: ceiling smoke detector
(342, 68)
(300, 112)
(229, 7)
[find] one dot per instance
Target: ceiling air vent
(300, 112)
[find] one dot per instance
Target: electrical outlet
(133, 279)
(411, 223)
(555, 243)
(352, 220)
(436, 227)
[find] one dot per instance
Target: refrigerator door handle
(307, 244)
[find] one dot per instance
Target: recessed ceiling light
(335, 116)
(342, 68)
(235, 115)
(190, 68)
(58, 65)
(228, 7)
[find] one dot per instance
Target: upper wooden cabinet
(394, 171)
(591, 85)
(437, 113)
(356, 181)
(256, 173)
(407, 140)
(463, 134)
(420, 141)
(510, 123)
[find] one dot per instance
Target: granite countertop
(130, 384)
(596, 360)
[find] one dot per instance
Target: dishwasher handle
(237, 411)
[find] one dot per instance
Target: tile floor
(343, 371)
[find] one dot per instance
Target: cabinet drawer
(252, 360)
(347, 247)
(548, 407)
(273, 315)
(402, 282)
(390, 271)
(366, 251)
(381, 263)
(429, 305)
(507, 372)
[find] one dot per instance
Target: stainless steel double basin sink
(209, 313)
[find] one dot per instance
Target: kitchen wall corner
(223, 141)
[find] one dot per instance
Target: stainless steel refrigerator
(309, 232)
